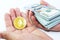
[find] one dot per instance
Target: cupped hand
(35, 22)
(28, 33)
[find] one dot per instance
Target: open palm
(28, 33)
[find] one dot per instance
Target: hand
(44, 3)
(56, 28)
(35, 22)
(28, 33)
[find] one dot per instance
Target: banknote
(47, 16)
(53, 24)
(47, 24)
(50, 14)
(46, 12)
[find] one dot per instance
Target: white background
(55, 3)
(5, 6)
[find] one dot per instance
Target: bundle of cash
(47, 16)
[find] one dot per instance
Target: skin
(28, 33)
(35, 22)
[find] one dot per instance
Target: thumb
(43, 2)
(4, 35)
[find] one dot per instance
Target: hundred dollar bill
(47, 24)
(46, 12)
(49, 14)
(46, 15)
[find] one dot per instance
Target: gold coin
(19, 23)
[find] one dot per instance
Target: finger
(36, 22)
(18, 13)
(30, 14)
(29, 22)
(4, 35)
(0, 35)
(56, 28)
(27, 16)
(8, 22)
(7, 35)
(12, 13)
(44, 3)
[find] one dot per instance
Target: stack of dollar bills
(46, 15)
